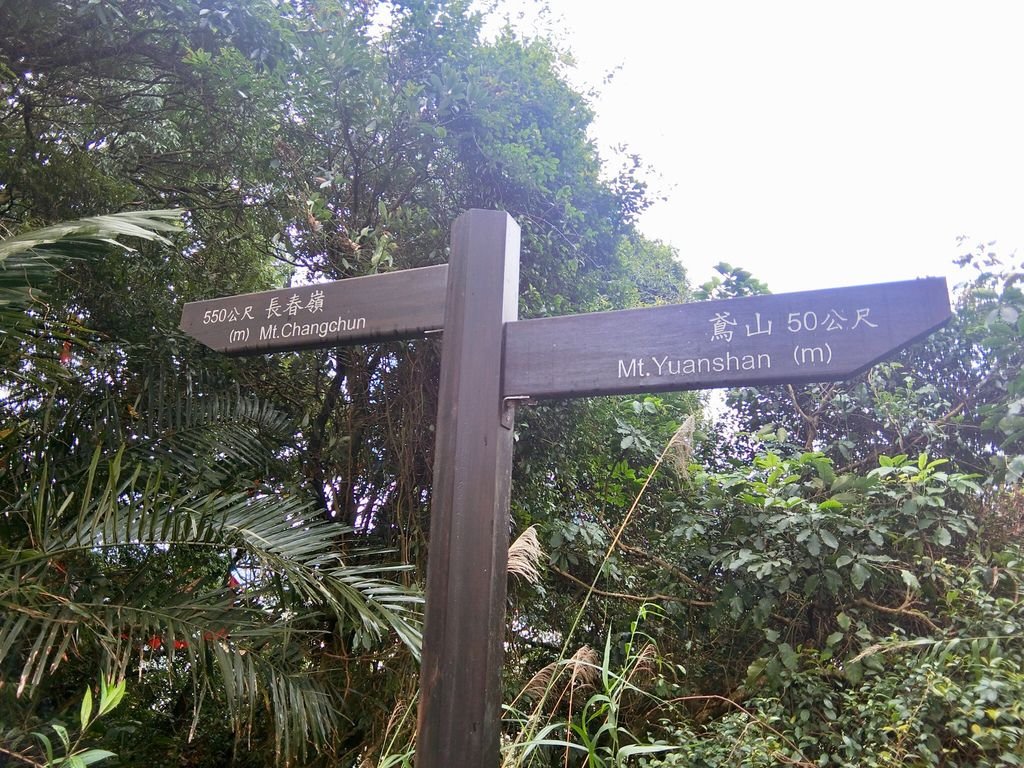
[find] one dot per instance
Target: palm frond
(214, 436)
(29, 259)
(255, 637)
(144, 225)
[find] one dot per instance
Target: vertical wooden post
(460, 677)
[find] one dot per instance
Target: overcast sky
(817, 144)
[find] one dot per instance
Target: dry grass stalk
(584, 666)
(538, 685)
(524, 556)
(680, 447)
(645, 666)
(583, 672)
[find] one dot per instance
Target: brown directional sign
(797, 337)
(392, 305)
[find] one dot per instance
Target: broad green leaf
(859, 575)
(789, 657)
(829, 538)
(91, 756)
(813, 545)
(1015, 469)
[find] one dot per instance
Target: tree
(162, 545)
(304, 143)
(248, 536)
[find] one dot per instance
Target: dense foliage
(208, 561)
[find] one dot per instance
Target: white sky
(815, 143)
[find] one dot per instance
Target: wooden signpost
(491, 361)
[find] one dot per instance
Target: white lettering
(719, 332)
(862, 317)
(767, 330)
(834, 321)
(811, 355)
(316, 302)
(692, 366)
(324, 329)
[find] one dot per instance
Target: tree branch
(632, 598)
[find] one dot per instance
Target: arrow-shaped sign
(796, 337)
(391, 305)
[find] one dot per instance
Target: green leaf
(1015, 469)
(144, 225)
(789, 657)
(942, 536)
(86, 710)
(910, 579)
(829, 538)
(859, 575)
(62, 732)
(91, 756)
(754, 670)
(813, 546)
(47, 745)
(110, 696)
(854, 672)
